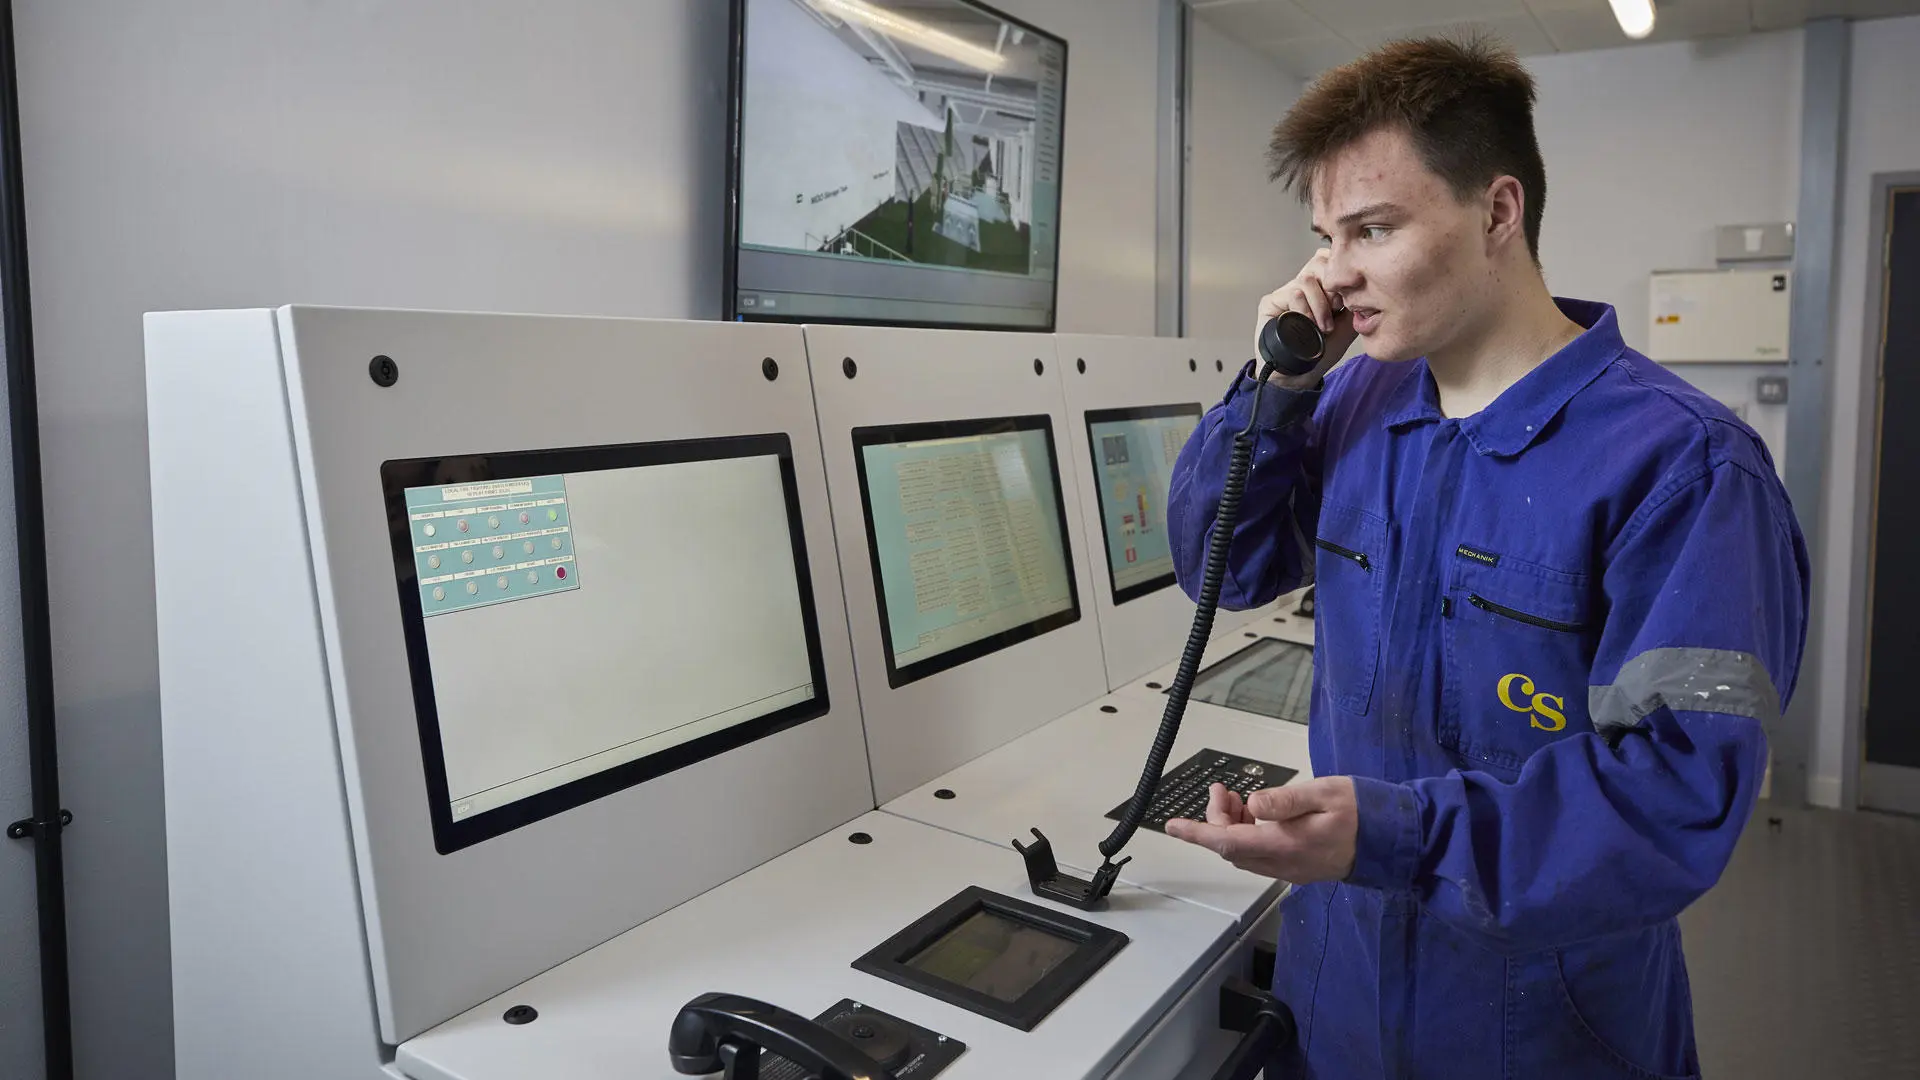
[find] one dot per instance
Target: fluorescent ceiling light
(901, 28)
(1635, 17)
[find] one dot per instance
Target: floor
(1805, 958)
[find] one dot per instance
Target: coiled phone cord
(1292, 345)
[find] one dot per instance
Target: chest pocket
(1519, 641)
(1347, 572)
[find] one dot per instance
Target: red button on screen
(560, 572)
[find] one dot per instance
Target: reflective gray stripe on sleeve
(1697, 680)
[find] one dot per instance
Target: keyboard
(1183, 789)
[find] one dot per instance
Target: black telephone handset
(716, 1032)
(1292, 345)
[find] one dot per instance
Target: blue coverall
(1549, 637)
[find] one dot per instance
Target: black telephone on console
(747, 1039)
(727, 1032)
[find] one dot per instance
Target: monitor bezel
(730, 253)
(1108, 416)
(397, 475)
(863, 437)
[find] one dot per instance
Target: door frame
(1867, 489)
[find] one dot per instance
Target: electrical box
(1719, 316)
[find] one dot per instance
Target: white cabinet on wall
(1718, 316)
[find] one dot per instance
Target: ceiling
(1310, 36)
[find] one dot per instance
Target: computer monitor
(1271, 678)
(579, 621)
(893, 161)
(1133, 454)
(968, 535)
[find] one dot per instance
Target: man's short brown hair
(1467, 104)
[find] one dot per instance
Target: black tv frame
(730, 253)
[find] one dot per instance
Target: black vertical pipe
(30, 521)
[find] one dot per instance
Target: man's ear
(1506, 203)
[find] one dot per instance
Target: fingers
(1201, 834)
(1239, 844)
(1314, 295)
(1303, 294)
(1304, 832)
(1306, 294)
(1224, 806)
(1279, 804)
(1265, 849)
(1322, 793)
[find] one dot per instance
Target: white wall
(1648, 149)
(1108, 201)
(1883, 135)
(1245, 236)
(20, 1051)
(559, 158)
(483, 154)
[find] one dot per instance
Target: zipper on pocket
(1485, 604)
(1355, 557)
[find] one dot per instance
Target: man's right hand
(1307, 295)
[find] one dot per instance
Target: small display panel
(579, 621)
(1270, 677)
(998, 956)
(1004, 958)
(1133, 455)
(968, 535)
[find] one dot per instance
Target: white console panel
(273, 555)
(260, 860)
(1066, 776)
(788, 931)
(1105, 374)
(1189, 1043)
(926, 727)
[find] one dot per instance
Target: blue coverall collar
(1522, 413)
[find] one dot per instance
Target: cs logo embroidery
(1543, 710)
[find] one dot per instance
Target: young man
(1561, 593)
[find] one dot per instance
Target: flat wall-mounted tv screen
(893, 162)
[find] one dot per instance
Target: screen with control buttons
(1133, 455)
(580, 621)
(968, 535)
